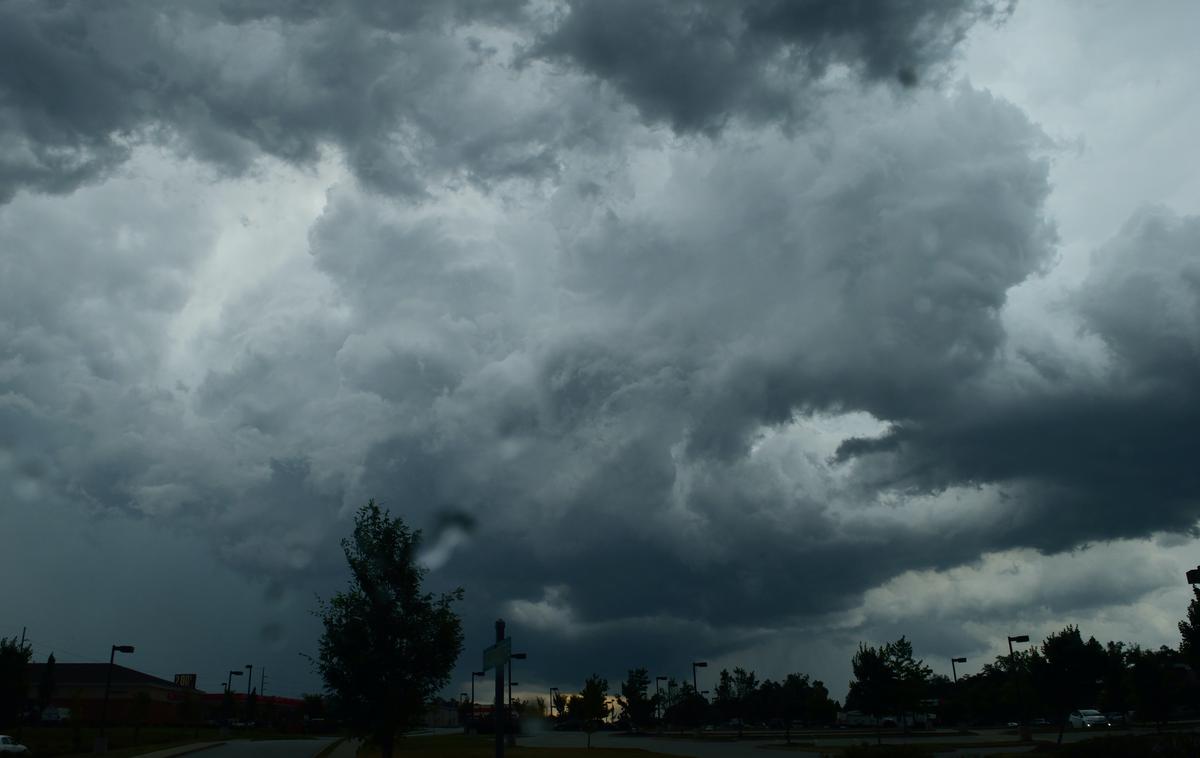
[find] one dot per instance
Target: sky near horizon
(740, 332)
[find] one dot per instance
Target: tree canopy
(387, 646)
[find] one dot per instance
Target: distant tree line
(1047, 681)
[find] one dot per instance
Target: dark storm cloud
(630, 375)
(695, 65)
(398, 87)
(862, 269)
(229, 82)
(1085, 459)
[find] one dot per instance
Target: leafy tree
(1067, 672)
(46, 685)
(387, 647)
(1157, 681)
(561, 704)
(689, 708)
(910, 677)
(819, 708)
(873, 684)
(539, 706)
(591, 706)
(1189, 631)
(635, 699)
(14, 664)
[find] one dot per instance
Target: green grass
(476, 746)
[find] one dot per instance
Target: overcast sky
(739, 331)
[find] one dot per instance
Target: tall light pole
(520, 657)
(108, 684)
(1024, 730)
(473, 675)
(696, 665)
(249, 678)
(229, 679)
(954, 670)
(658, 694)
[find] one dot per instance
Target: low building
(133, 696)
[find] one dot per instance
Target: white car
(1087, 718)
(9, 745)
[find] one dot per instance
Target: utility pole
(262, 681)
(499, 704)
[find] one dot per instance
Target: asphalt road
(266, 749)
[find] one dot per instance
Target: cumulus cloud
(697, 65)
(714, 382)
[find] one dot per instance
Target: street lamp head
(1019, 638)
(700, 664)
(660, 678)
(959, 660)
(519, 656)
(478, 673)
(123, 648)
(234, 672)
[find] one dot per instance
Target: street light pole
(249, 678)
(953, 670)
(1024, 730)
(658, 695)
(473, 675)
(696, 665)
(520, 657)
(108, 684)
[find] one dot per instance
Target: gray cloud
(689, 391)
(696, 65)
(412, 93)
(1086, 459)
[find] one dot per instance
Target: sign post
(495, 657)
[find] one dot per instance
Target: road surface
(266, 749)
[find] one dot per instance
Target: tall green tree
(873, 684)
(910, 677)
(592, 705)
(388, 646)
(14, 687)
(635, 698)
(1067, 672)
(1189, 631)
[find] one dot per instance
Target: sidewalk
(347, 748)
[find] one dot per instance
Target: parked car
(1117, 718)
(1039, 722)
(9, 745)
(1087, 718)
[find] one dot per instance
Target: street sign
(497, 655)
